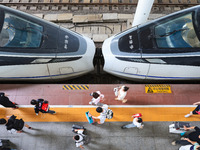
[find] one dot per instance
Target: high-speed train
(34, 49)
(167, 48)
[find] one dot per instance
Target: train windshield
(18, 32)
(177, 33)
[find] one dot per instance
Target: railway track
(62, 4)
(97, 2)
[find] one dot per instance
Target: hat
(2, 94)
(33, 102)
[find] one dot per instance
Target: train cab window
(177, 33)
(18, 32)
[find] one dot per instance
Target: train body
(167, 48)
(34, 49)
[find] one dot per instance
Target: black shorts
(196, 110)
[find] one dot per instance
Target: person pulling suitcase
(80, 138)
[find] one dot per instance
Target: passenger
(196, 146)
(41, 106)
(14, 125)
(4, 100)
(97, 98)
(121, 92)
(137, 122)
(79, 138)
(195, 111)
(191, 138)
(104, 113)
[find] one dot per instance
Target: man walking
(196, 111)
(4, 100)
(41, 105)
(14, 125)
(137, 122)
(104, 113)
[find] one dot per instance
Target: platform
(54, 131)
(72, 101)
(182, 94)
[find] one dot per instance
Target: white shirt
(187, 147)
(80, 141)
(102, 116)
(121, 93)
(137, 124)
(96, 100)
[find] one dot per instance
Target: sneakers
(188, 115)
(124, 101)
(16, 108)
(174, 143)
(182, 138)
(123, 127)
(14, 103)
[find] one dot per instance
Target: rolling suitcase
(90, 119)
(177, 127)
(74, 126)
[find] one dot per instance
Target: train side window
(177, 33)
(18, 32)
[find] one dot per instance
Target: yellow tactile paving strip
(120, 114)
(75, 87)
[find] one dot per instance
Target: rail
(97, 2)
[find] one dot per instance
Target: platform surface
(53, 132)
(182, 94)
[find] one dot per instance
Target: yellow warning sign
(158, 88)
(75, 87)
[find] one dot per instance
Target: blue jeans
(131, 125)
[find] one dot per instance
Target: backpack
(18, 124)
(109, 114)
(45, 106)
(14, 123)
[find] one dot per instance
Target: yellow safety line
(120, 114)
(77, 87)
(64, 87)
(81, 87)
(68, 87)
(85, 87)
(72, 87)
